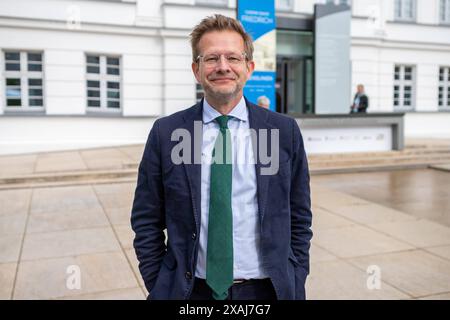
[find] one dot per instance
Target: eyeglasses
(214, 59)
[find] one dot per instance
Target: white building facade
(90, 73)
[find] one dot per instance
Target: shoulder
(275, 119)
(176, 119)
(287, 126)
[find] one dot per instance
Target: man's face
(222, 80)
(360, 89)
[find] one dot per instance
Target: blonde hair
(219, 22)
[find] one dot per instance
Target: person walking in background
(360, 101)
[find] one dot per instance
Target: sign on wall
(258, 19)
(342, 140)
(332, 58)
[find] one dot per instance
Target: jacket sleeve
(301, 216)
(147, 215)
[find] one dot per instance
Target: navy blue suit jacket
(168, 196)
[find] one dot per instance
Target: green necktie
(219, 261)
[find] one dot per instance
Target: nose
(222, 65)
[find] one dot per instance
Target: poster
(258, 19)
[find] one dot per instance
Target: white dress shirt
(247, 262)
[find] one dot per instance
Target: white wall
(114, 13)
(427, 125)
(64, 81)
(427, 11)
(305, 6)
(18, 134)
(179, 89)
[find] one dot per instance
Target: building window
(103, 83)
(405, 10)
(199, 92)
(219, 3)
(404, 87)
(284, 5)
(347, 2)
(23, 79)
(444, 88)
(444, 11)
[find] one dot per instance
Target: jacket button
(194, 236)
(188, 275)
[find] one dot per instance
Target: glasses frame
(200, 57)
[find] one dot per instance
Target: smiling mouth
(222, 80)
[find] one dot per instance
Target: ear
(195, 70)
(250, 68)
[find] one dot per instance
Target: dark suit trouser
(257, 289)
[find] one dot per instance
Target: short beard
(221, 97)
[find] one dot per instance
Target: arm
(301, 215)
(364, 103)
(147, 215)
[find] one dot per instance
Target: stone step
(62, 178)
(360, 169)
(380, 154)
(444, 166)
(319, 164)
(48, 184)
(381, 161)
(367, 156)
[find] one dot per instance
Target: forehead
(226, 40)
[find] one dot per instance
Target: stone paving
(45, 230)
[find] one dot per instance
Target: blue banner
(258, 19)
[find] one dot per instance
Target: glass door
(294, 85)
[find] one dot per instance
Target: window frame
(402, 16)
(444, 83)
(103, 78)
(288, 8)
(212, 3)
(401, 83)
(24, 75)
(444, 12)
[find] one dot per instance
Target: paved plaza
(377, 235)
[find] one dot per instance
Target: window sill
(40, 112)
(104, 114)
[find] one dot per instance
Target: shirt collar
(238, 112)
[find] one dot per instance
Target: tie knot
(223, 121)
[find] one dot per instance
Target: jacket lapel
(258, 119)
(193, 124)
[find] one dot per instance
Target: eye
(210, 59)
(234, 59)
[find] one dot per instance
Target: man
(263, 101)
(360, 101)
(233, 230)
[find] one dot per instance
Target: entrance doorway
(294, 85)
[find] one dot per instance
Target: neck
(223, 106)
